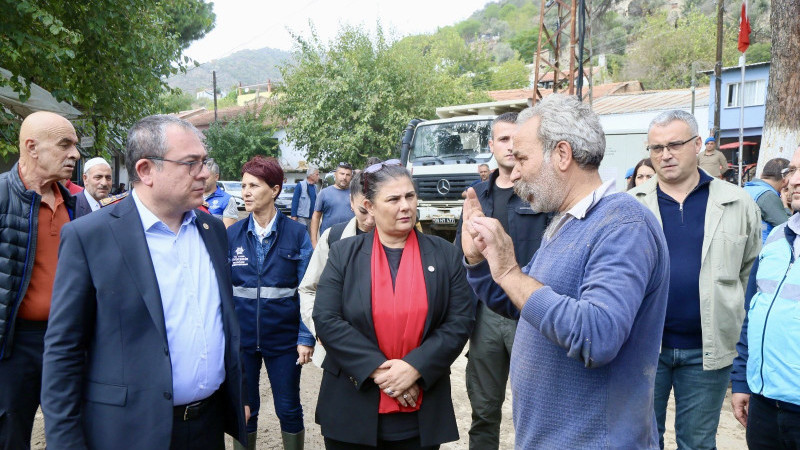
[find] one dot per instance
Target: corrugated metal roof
(650, 101)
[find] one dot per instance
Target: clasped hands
(484, 238)
(398, 379)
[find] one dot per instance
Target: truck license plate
(444, 220)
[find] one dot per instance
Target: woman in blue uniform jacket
(269, 254)
(393, 310)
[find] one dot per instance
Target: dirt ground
(730, 435)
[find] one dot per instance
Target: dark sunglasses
(378, 166)
(345, 165)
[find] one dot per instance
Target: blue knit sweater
(586, 350)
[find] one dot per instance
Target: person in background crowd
(483, 172)
(590, 302)
(393, 311)
(73, 188)
(97, 184)
(269, 254)
(305, 197)
(711, 160)
(360, 224)
(490, 345)
(713, 233)
(120, 189)
(333, 203)
(766, 193)
(220, 204)
(786, 199)
(142, 347)
(642, 172)
(766, 395)
(34, 207)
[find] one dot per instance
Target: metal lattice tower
(562, 28)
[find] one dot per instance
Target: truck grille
(430, 187)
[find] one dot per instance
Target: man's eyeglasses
(672, 146)
(788, 172)
(345, 165)
(378, 166)
(195, 167)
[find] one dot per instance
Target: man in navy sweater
(591, 302)
(713, 231)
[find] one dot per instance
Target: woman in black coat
(393, 310)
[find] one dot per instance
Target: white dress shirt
(94, 204)
(192, 306)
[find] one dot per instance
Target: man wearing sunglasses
(333, 203)
(713, 231)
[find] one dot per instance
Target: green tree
(662, 53)
(190, 19)
(107, 58)
(512, 74)
(233, 144)
(468, 29)
(352, 98)
(172, 102)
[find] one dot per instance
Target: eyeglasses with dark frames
(672, 146)
(195, 167)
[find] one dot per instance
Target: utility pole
(214, 78)
(557, 18)
(718, 72)
(694, 83)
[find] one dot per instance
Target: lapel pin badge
(431, 269)
(205, 225)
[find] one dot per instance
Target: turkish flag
(744, 30)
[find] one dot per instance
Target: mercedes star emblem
(443, 186)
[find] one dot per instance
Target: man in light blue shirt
(142, 347)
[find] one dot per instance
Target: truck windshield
(443, 141)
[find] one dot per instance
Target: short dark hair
(267, 169)
(773, 168)
(148, 137)
(509, 117)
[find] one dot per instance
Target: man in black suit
(142, 347)
(96, 186)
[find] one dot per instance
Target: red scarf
(398, 313)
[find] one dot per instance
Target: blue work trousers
(284, 379)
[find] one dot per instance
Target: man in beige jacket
(713, 232)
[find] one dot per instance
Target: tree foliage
(351, 98)
(512, 74)
(107, 58)
(233, 144)
(663, 53)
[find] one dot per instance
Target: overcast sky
(253, 24)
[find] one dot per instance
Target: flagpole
(741, 117)
(744, 42)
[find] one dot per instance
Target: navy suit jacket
(107, 377)
(82, 207)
